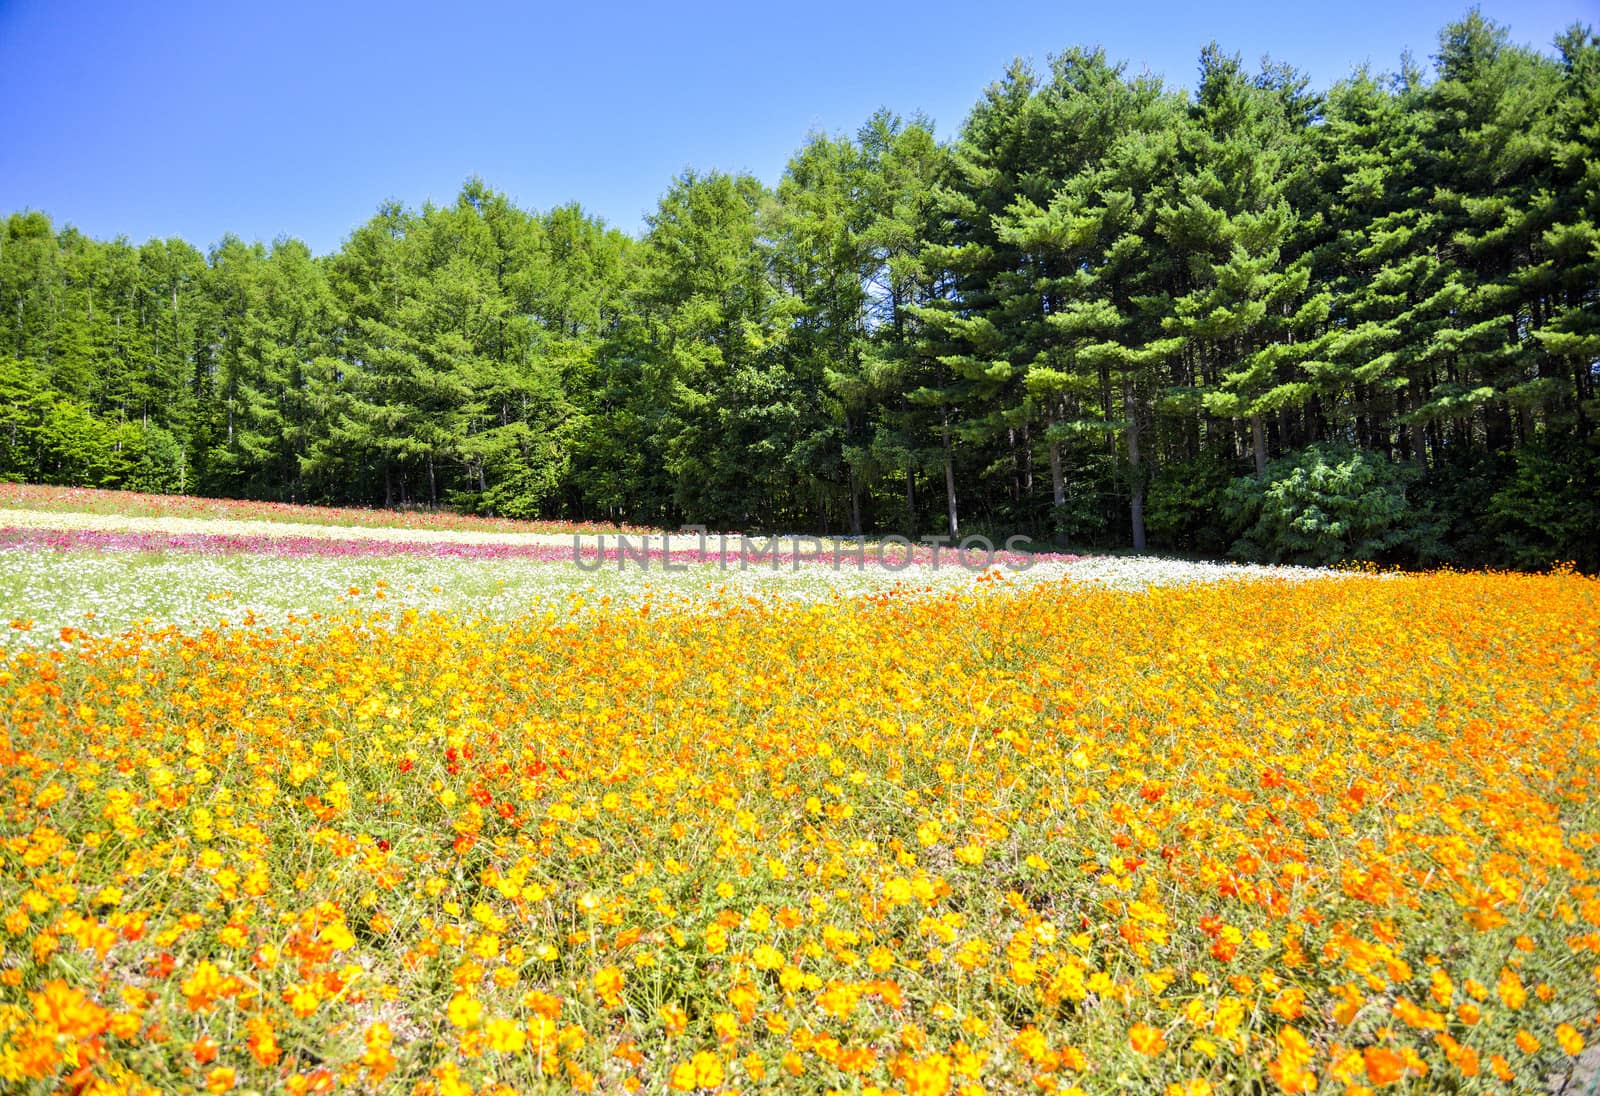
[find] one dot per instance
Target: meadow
(313, 820)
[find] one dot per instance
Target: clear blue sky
(287, 117)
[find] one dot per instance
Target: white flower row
(109, 592)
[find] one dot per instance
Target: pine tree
(1244, 311)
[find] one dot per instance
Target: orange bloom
(1384, 1066)
(1146, 1039)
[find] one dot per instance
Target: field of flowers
(996, 836)
(438, 811)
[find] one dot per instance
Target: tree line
(1255, 318)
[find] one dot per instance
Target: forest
(1253, 319)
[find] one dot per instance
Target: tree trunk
(1258, 439)
(950, 480)
(1105, 408)
(1026, 457)
(950, 495)
(1497, 426)
(855, 505)
(1135, 472)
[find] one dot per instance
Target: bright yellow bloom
(465, 1011)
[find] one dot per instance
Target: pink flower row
(100, 501)
(634, 553)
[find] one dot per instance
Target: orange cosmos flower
(608, 983)
(1384, 1066)
(1146, 1039)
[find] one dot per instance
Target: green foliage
(1185, 498)
(1091, 500)
(147, 458)
(1548, 511)
(74, 448)
(55, 440)
(1327, 504)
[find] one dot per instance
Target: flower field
(993, 835)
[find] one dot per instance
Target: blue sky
(286, 117)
